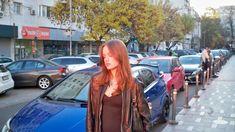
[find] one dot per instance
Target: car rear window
(2, 68)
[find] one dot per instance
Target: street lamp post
(70, 27)
(70, 24)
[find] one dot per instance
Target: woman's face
(109, 61)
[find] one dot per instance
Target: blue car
(62, 108)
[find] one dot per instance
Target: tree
(109, 19)
(229, 13)
(188, 23)
(212, 30)
(171, 28)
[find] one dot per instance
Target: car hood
(191, 67)
(43, 116)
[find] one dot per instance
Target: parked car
(181, 52)
(36, 72)
(51, 56)
(192, 65)
(6, 81)
(63, 107)
(74, 63)
(94, 58)
(136, 55)
(5, 61)
(171, 68)
(133, 60)
(85, 54)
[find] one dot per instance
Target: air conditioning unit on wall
(1, 14)
(32, 12)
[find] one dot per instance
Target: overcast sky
(201, 5)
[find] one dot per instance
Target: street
(14, 100)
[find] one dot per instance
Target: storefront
(30, 42)
(8, 34)
(59, 42)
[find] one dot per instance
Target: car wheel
(165, 111)
(3, 92)
(44, 82)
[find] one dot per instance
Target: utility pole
(70, 27)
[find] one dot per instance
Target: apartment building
(26, 31)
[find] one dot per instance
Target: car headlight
(6, 127)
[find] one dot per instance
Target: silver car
(74, 63)
(6, 81)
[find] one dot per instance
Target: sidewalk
(214, 111)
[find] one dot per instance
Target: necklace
(111, 88)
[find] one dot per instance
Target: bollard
(186, 106)
(211, 72)
(204, 80)
(196, 89)
(207, 76)
(172, 121)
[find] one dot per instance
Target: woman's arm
(143, 106)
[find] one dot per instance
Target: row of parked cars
(56, 108)
(40, 72)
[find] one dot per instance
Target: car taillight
(62, 70)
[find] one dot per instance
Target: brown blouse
(111, 113)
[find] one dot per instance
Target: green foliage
(171, 28)
(211, 31)
(188, 23)
(229, 15)
(107, 19)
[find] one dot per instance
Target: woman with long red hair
(111, 90)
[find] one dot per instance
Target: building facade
(26, 31)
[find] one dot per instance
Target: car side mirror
(161, 74)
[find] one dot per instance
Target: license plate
(5, 78)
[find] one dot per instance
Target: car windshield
(164, 65)
(190, 60)
(73, 88)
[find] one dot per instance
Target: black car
(192, 65)
(36, 72)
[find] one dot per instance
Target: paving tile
(214, 111)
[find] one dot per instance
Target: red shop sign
(32, 32)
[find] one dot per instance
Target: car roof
(185, 56)
(160, 57)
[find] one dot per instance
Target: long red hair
(123, 74)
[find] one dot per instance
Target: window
(40, 65)
(148, 77)
(15, 66)
(44, 11)
(30, 65)
(17, 8)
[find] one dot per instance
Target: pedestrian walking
(205, 59)
(112, 93)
